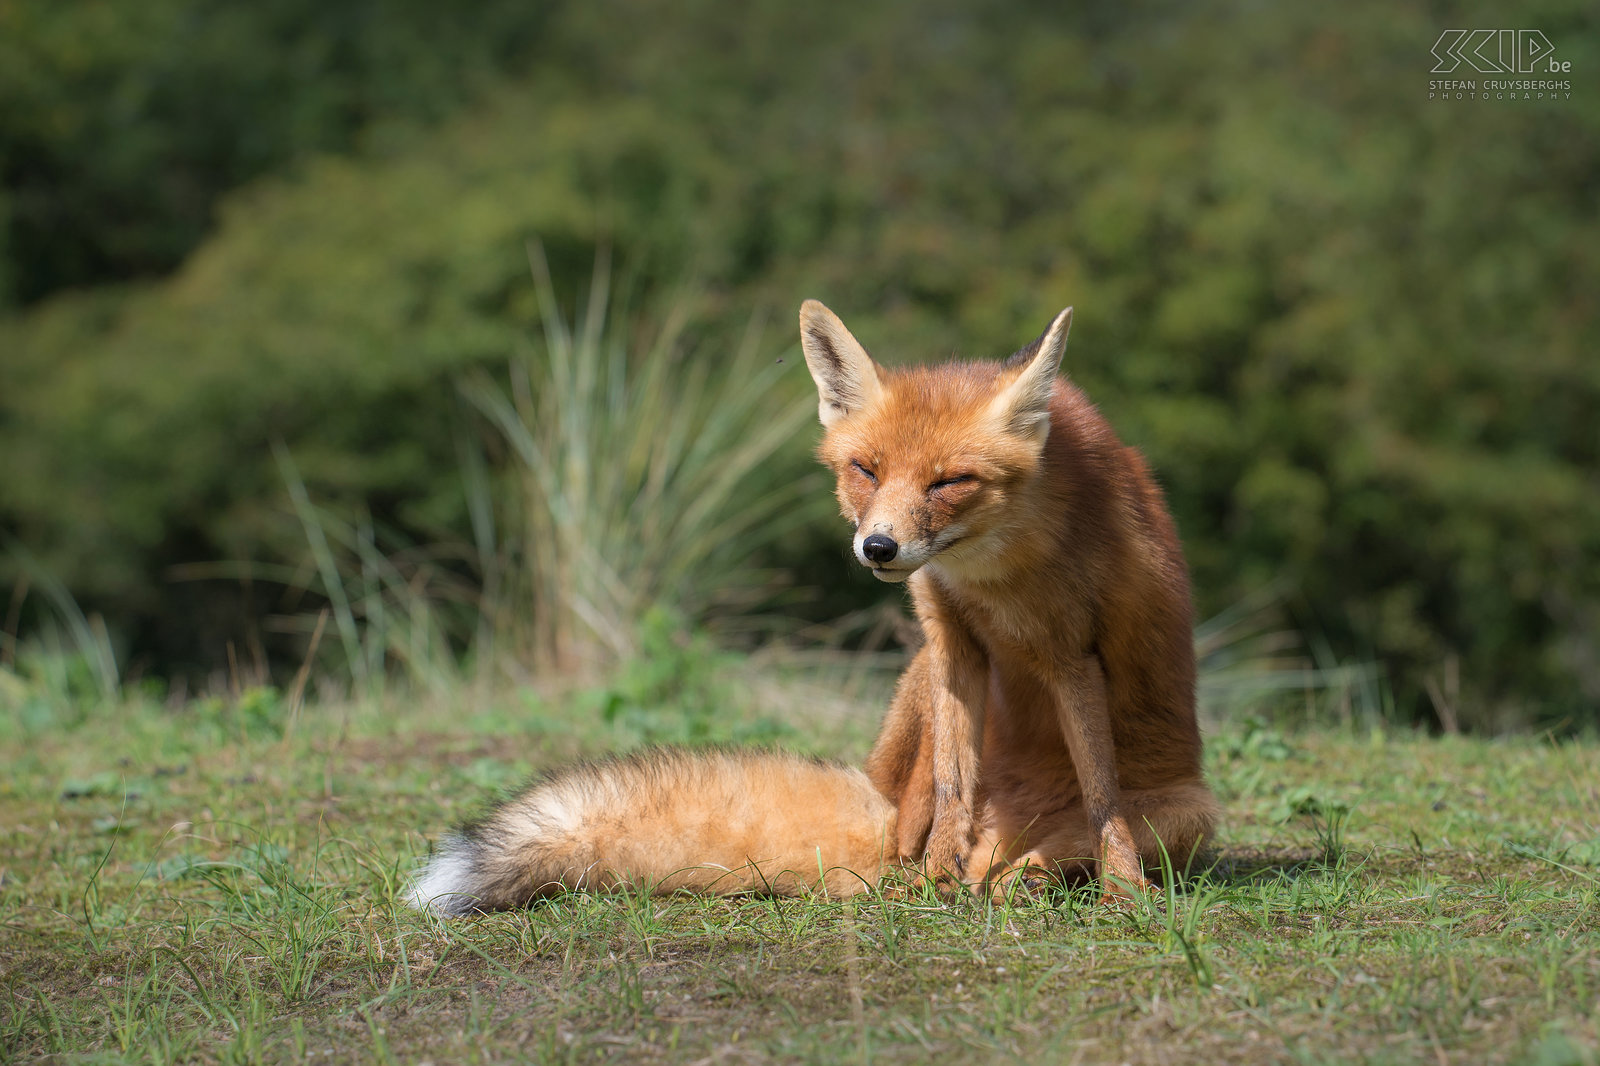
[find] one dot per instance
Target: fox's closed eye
(947, 482)
(869, 475)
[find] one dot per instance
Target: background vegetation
(265, 268)
(400, 398)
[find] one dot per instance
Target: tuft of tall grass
(71, 654)
(394, 609)
(1251, 662)
(643, 480)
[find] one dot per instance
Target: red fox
(1046, 728)
(1048, 722)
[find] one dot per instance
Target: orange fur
(667, 820)
(1049, 721)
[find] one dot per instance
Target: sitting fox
(1046, 728)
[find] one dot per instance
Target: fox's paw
(946, 884)
(949, 886)
(1121, 871)
(947, 878)
(1124, 886)
(902, 880)
(945, 860)
(1020, 883)
(1125, 894)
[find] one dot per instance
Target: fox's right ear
(846, 376)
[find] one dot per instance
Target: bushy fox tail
(718, 822)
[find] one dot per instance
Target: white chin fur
(893, 577)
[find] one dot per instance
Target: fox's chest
(1028, 633)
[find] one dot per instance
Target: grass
(646, 475)
(200, 884)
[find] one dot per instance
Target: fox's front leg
(901, 763)
(958, 675)
(1080, 690)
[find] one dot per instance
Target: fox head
(931, 461)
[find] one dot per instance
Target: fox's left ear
(1023, 405)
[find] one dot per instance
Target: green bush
(1352, 329)
(123, 121)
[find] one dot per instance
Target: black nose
(879, 548)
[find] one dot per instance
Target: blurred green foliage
(676, 690)
(125, 121)
(1354, 329)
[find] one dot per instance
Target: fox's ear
(1023, 405)
(846, 376)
